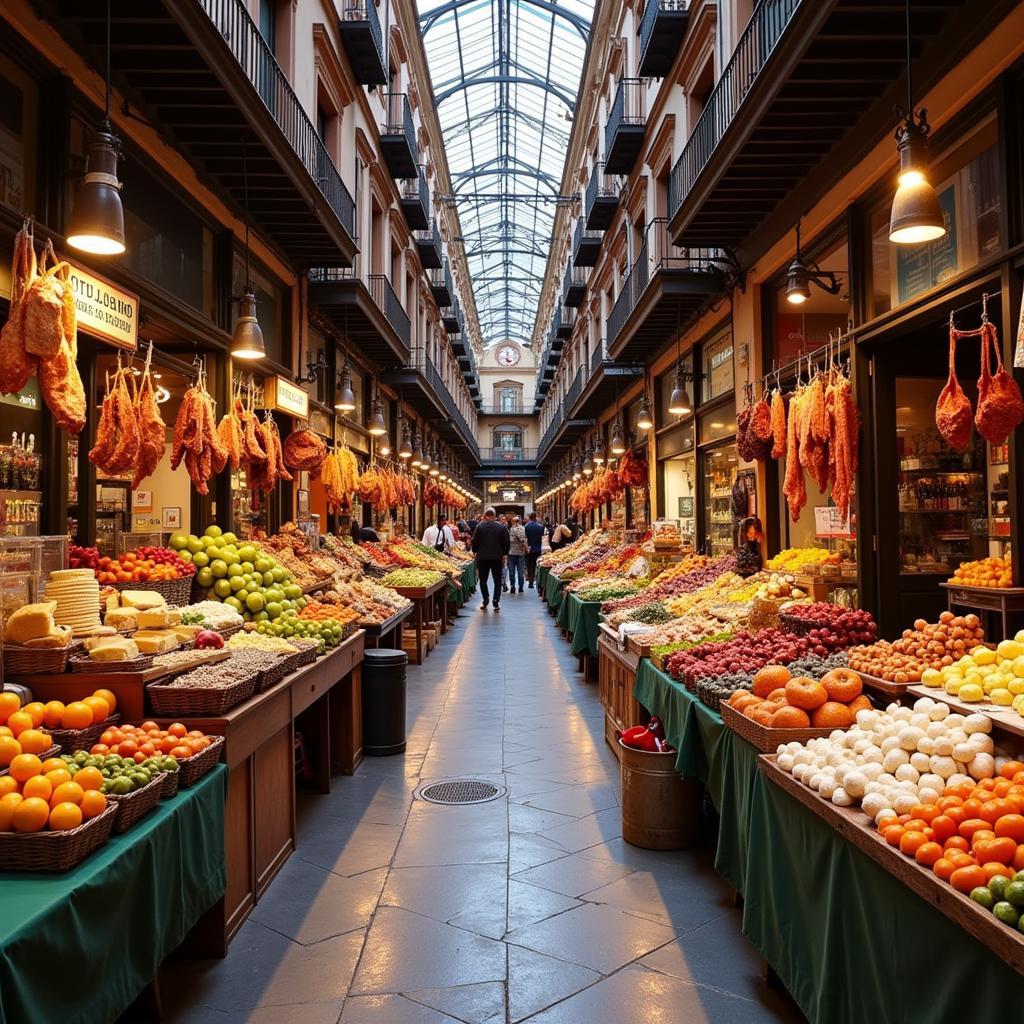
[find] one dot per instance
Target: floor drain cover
(459, 791)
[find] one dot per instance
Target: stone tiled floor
(528, 908)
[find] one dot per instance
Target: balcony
(586, 245)
(368, 312)
(564, 321)
(451, 318)
(502, 456)
(359, 27)
(574, 286)
(503, 409)
(398, 137)
(662, 29)
(441, 286)
(624, 132)
(605, 379)
(807, 92)
(664, 289)
(458, 341)
(428, 247)
(415, 197)
(601, 200)
(201, 72)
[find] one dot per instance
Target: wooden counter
(422, 599)
(616, 677)
(323, 703)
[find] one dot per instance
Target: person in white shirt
(439, 536)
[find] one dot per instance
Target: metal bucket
(660, 809)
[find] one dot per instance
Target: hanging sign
(828, 523)
(104, 310)
(284, 396)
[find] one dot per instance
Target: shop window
(508, 438)
(719, 466)
(718, 423)
(270, 307)
(804, 328)
(717, 366)
(21, 468)
(18, 117)
(508, 397)
(966, 178)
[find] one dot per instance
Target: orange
(769, 678)
(928, 854)
(805, 693)
(943, 868)
(9, 703)
(894, 835)
(177, 729)
(956, 843)
(842, 684)
(8, 785)
(10, 748)
(20, 721)
(58, 776)
(128, 748)
(967, 878)
(53, 763)
(68, 792)
(790, 718)
(24, 766)
(1011, 768)
(779, 695)
(943, 826)
(100, 708)
(77, 715)
(36, 709)
(5, 731)
(31, 815)
(1002, 850)
(861, 703)
(972, 825)
(995, 868)
(911, 842)
(93, 803)
(832, 715)
(1011, 825)
(89, 778)
(52, 714)
(40, 786)
(109, 697)
(7, 805)
(35, 741)
(65, 816)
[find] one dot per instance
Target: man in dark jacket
(534, 539)
(490, 544)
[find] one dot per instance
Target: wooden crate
(616, 677)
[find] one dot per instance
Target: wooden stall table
(322, 700)
(419, 597)
(82, 945)
(1001, 605)
(616, 678)
(389, 632)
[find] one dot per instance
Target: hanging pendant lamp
(599, 457)
(405, 445)
(346, 400)
(679, 403)
(417, 454)
(377, 427)
(247, 338)
(96, 224)
(916, 214)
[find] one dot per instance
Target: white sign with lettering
(104, 310)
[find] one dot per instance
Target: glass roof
(505, 76)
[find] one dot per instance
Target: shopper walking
(561, 535)
(534, 543)
(490, 544)
(439, 536)
(518, 546)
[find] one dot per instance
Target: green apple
(178, 541)
(214, 531)
(200, 559)
(222, 588)
(194, 544)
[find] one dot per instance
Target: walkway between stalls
(396, 911)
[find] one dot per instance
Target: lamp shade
(96, 224)
(798, 283)
(346, 400)
(384, 445)
(405, 446)
(377, 427)
(643, 416)
(679, 403)
(618, 446)
(247, 338)
(599, 452)
(916, 215)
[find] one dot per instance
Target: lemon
(1018, 667)
(931, 677)
(1019, 636)
(983, 656)
(1010, 649)
(952, 686)
(1018, 704)
(971, 693)
(974, 676)
(1001, 697)
(1016, 686)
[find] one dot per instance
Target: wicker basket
(790, 623)
(139, 664)
(272, 675)
(175, 592)
(192, 769)
(229, 631)
(133, 806)
(182, 702)
(763, 737)
(307, 651)
(52, 752)
(23, 661)
(170, 786)
(82, 739)
(55, 851)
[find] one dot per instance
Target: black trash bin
(384, 702)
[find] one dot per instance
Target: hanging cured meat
(16, 364)
(196, 440)
(117, 432)
(152, 429)
(953, 413)
(760, 436)
(794, 486)
(778, 424)
(304, 450)
(844, 442)
(1000, 407)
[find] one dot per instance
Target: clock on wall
(508, 355)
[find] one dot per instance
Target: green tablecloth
(841, 932)
(79, 947)
(542, 576)
(584, 623)
(562, 610)
(553, 591)
(468, 581)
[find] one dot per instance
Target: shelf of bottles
(720, 468)
(943, 504)
(20, 496)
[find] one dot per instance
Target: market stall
(155, 881)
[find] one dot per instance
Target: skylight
(505, 75)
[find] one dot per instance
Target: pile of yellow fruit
(794, 559)
(984, 675)
(990, 573)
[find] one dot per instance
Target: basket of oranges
(50, 817)
(78, 724)
(21, 731)
(185, 755)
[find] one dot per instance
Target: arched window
(508, 437)
(508, 396)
